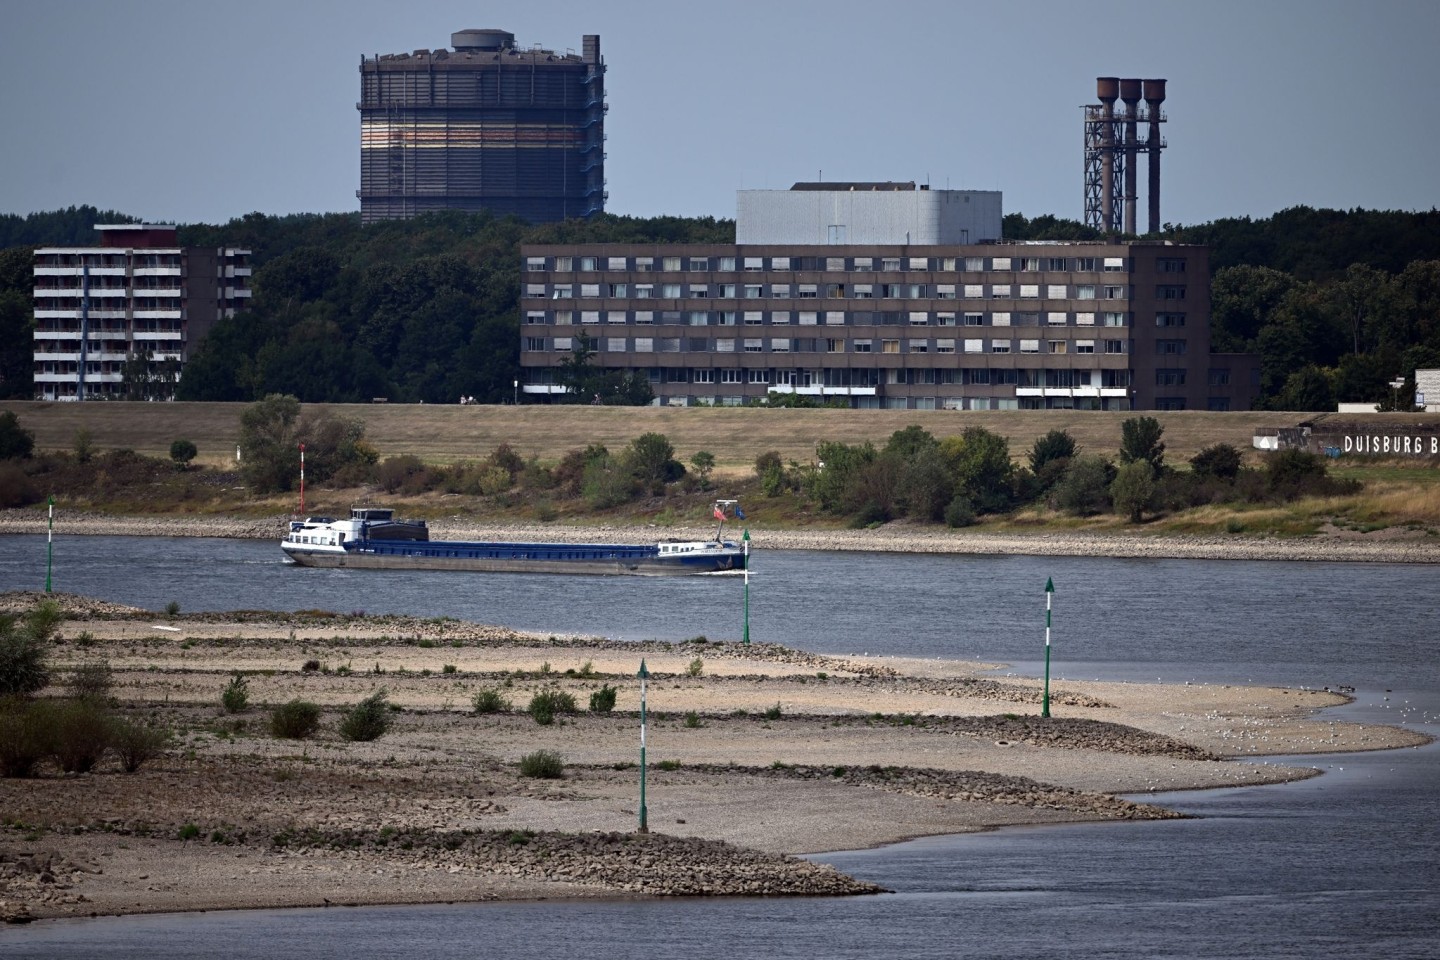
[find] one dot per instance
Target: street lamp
(515, 397)
(1395, 386)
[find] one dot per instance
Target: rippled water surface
(1343, 865)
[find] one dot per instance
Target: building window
(589, 290)
(998, 346)
(754, 264)
(863, 291)
(945, 291)
(670, 291)
(864, 263)
(589, 316)
(644, 345)
(699, 264)
(697, 345)
(1115, 320)
(780, 316)
(1055, 291)
(699, 291)
(699, 318)
(889, 264)
(1217, 404)
(1170, 348)
(1029, 346)
(644, 291)
(1169, 319)
(834, 263)
(1055, 319)
(999, 319)
(779, 263)
(1114, 264)
(615, 316)
(644, 264)
(614, 344)
(1055, 346)
(919, 346)
(754, 345)
(1170, 378)
(1085, 291)
(1115, 346)
(808, 291)
(753, 318)
(587, 264)
(534, 344)
(732, 375)
(670, 264)
(563, 264)
(1084, 346)
(834, 345)
(888, 346)
(534, 264)
(562, 291)
(725, 345)
(562, 344)
(919, 318)
(1169, 403)
(1085, 319)
(945, 319)
(726, 318)
(945, 346)
(702, 376)
(535, 316)
(780, 345)
(808, 318)
(862, 346)
(1170, 265)
(1170, 291)
(780, 291)
(1114, 293)
(1029, 291)
(726, 265)
(644, 316)
(752, 291)
(1000, 291)
(759, 376)
(1220, 378)
(834, 318)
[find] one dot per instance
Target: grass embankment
(1397, 495)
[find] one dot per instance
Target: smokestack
(1130, 93)
(1108, 90)
(1154, 97)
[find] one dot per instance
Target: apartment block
(979, 326)
(121, 319)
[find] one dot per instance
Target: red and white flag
(719, 514)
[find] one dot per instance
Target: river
(1347, 864)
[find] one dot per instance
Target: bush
(773, 713)
(24, 736)
(1133, 489)
(693, 721)
(367, 720)
(1084, 490)
(24, 648)
(16, 487)
(697, 667)
(182, 452)
(92, 680)
(173, 608)
(15, 441)
(490, 700)
(545, 704)
(83, 443)
(138, 743)
(295, 720)
(1220, 461)
(768, 462)
(236, 695)
(960, 512)
(542, 764)
(82, 732)
(603, 700)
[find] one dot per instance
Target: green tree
(980, 462)
(1133, 489)
(270, 444)
(704, 462)
(1242, 301)
(1084, 490)
(17, 323)
(1306, 389)
(1140, 440)
(1049, 457)
(25, 649)
(650, 459)
(15, 441)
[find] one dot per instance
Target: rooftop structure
(867, 213)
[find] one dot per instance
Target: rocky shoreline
(1380, 547)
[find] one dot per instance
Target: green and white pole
(746, 540)
(50, 545)
(1049, 592)
(644, 813)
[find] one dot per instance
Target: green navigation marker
(50, 545)
(1049, 592)
(745, 637)
(644, 675)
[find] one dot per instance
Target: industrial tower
(487, 126)
(1112, 148)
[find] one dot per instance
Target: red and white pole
(302, 479)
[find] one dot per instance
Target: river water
(1347, 864)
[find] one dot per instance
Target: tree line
(1336, 303)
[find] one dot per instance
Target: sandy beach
(756, 755)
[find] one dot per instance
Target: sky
(201, 111)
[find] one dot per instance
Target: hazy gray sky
(194, 110)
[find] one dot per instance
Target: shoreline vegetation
(757, 755)
(1384, 546)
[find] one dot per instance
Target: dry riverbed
(756, 754)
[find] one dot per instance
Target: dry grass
(450, 433)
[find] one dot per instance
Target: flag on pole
(739, 514)
(719, 514)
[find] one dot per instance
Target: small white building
(1427, 390)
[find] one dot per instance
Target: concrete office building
(979, 326)
(137, 296)
(485, 126)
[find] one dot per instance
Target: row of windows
(728, 264)
(838, 291)
(1022, 377)
(821, 345)
(829, 318)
